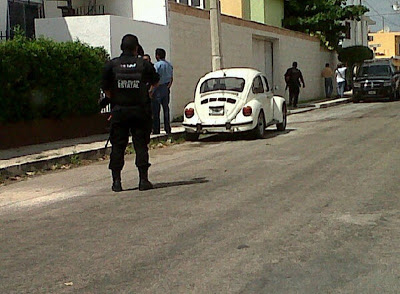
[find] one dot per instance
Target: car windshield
(226, 84)
(374, 70)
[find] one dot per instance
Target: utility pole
(215, 23)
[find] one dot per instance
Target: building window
(23, 14)
(194, 3)
(370, 38)
(348, 30)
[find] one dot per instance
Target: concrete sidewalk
(19, 161)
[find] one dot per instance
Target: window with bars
(348, 30)
(194, 3)
(23, 14)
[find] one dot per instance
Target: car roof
(377, 62)
(239, 72)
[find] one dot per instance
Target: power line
(381, 15)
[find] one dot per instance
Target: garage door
(263, 57)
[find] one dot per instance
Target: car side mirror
(257, 90)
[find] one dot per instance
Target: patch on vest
(128, 84)
(128, 65)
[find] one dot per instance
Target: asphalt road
(313, 210)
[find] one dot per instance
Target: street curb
(48, 163)
(335, 103)
(95, 154)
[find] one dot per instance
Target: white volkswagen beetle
(234, 100)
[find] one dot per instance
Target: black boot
(116, 186)
(144, 183)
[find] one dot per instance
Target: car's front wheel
(192, 136)
(259, 130)
(356, 99)
(282, 126)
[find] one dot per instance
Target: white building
(357, 31)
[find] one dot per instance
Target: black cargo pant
(126, 121)
(294, 92)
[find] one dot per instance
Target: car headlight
(357, 85)
(387, 84)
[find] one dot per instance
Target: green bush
(355, 54)
(45, 79)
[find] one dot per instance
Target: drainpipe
(215, 24)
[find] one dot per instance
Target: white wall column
(153, 11)
(3, 15)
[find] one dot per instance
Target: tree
(352, 56)
(323, 18)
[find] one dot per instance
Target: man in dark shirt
(125, 83)
(293, 77)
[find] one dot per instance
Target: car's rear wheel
(356, 99)
(191, 136)
(393, 96)
(282, 126)
(259, 130)
(397, 95)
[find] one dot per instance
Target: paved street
(313, 210)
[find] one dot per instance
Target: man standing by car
(340, 73)
(327, 74)
(161, 93)
(293, 77)
(125, 82)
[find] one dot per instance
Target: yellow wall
(386, 44)
(274, 12)
(269, 12)
(232, 8)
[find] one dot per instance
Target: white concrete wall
(3, 15)
(119, 8)
(153, 11)
(51, 10)
(94, 30)
(104, 31)
(151, 36)
(191, 53)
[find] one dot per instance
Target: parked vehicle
(376, 79)
(234, 100)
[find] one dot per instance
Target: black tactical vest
(128, 88)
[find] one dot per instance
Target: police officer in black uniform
(125, 83)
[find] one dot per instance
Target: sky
(382, 13)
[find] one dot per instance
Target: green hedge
(45, 79)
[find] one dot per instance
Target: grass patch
(178, 119)
(159, 143)
(75, 159)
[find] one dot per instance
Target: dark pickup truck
(376, 79)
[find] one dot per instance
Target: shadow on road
(269, 133)
(377, 100)
(175, 184)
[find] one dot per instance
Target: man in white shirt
(340, 74)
